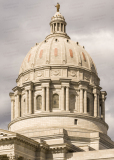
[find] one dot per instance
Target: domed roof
(57, 49)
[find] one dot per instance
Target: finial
(58, 7)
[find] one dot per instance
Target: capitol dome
(58, 50)
(58, 90)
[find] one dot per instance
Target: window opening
(55, 101)
(39, 102)
(75, 121)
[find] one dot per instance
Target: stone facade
(57, 107)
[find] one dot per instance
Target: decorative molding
(86, 76)
(72, 73)
(10, 146)
(56, 72)
(39, 74)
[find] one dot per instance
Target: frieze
(72, 73)
(55, 72)
(86, 76)
(39, 74)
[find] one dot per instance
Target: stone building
(57, 107)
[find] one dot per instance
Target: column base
(65, 111)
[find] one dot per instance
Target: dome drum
(56, 96)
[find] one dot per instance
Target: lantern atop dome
(58, 25)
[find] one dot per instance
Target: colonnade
(80, 107)
(58, 27)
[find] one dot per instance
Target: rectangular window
(75, 121)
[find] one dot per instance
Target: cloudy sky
(25, 22)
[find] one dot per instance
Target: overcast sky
(25, 22)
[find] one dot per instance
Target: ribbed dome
(57, 51)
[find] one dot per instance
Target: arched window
(55, 101)
(72, 102)
(88, 105)
(38, 102)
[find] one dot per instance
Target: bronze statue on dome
(58, 7)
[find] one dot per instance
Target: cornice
(21, 138)
(57, 35)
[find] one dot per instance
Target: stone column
(56, 27)
(85, 101)
(34, 104)
(43, 99)
(98, 106)
(67, 98)
(95, 105)
(59, 27)
(103, 108)
(47, 99)
(15, 106)
(63, 28)
(26, 111)
(76, 106)
(51, 28)
(18, 106)
(81, 100)
(12, 110)
(78, 101)
(30, 102)
(63, 107)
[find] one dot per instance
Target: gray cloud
(23, 23)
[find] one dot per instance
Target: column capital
(29, 86)
(17, 93)
(12, 96)
(96, 89)
(103, 95)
